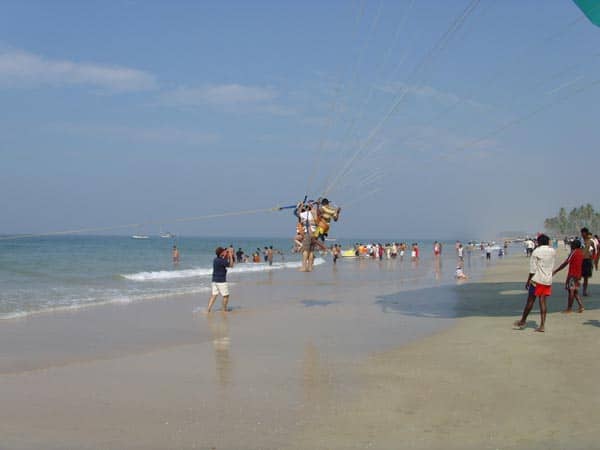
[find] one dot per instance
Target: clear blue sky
(128, 111)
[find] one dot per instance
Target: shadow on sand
(474, 299)
(311, 303)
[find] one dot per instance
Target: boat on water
(167, 235)
(140, 236)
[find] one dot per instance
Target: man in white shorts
(223, 260)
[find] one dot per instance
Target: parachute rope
(144, 224)
(427, 59)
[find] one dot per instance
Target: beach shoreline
(303, 360)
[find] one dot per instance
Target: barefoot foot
(540, 329)
(520, 325)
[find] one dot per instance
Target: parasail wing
(591, 9)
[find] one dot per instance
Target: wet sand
(365, 354)
(157, 375)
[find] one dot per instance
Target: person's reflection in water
(437, 264)
(219, 329)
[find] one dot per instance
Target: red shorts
(543, 290)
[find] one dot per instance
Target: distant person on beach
(394, 250)
(575, 262)
(529, 246)
(239, 255)
(488, 252)
(539, 282)
(223, 260)
(460, 251)
(597, 254)
(589, 251)
(460, 274)
(596, 240)
(335, 251)
(270, 255)
(436, 249)
(175, 255)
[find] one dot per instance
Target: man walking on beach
(223, 260)
(539, 282)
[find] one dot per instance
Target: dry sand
(480, 384)
(367, 357)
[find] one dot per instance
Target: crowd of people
(265, 255)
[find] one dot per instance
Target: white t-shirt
(308, 216)
(541, 264)
(460, 251)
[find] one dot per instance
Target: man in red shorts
(539, 282)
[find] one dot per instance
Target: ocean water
(49, 273)
(53, 273)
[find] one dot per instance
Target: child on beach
(539, 282)
(575, 261)
(460, 274)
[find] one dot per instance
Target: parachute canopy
(591, 9)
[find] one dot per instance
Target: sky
(441, 119)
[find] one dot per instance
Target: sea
(42, 274)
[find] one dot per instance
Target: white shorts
(220, 288)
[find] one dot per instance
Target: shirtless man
(175, 255)
(589, 251)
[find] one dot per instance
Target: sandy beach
(365, 355)
(480, 384)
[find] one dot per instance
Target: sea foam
(202, 272)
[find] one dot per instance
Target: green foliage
(570, 223)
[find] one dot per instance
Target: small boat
(167, 235)
(140, 236)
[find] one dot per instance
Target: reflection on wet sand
(217, 323)
(437, 264)
(317, 380)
